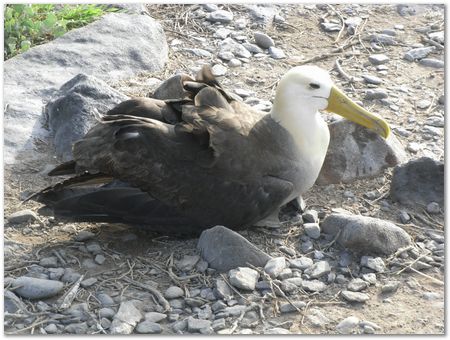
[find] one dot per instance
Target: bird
(194, 155)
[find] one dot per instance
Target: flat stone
(376, 264)
(418, 53)
(126, 318)
(317, 318)
(357, 285)
(354, 296)
(430, 62)
(288, 308)
(51, 261)
(420, 181)
(287, 250)
(222, 33)
(88, 282)
(197, 325)
(99, 259)
(210, 7)
(369, 79)
(179, 326)
(220, 16)
(275, 266)
(84, 235)
(276, 53)
(252, 48)
(103, 49)
(218, 324)
(94, 247)
(105, 300)
(187, 263)
(314, 286)
(22, 216)
(330, 27)
(312, 230)
(318, 269)
(173, 292)
(222, 290)
(378, 59)
(413, 147)
(390, 287)
(384, 39)
(219, 70)
(33, 288)
(199, 52)
(225, 249)
(288, 287)
(234, 63)
(106, 312)
(376, 94)
(423, 104)
(347, 325)
(356, 152)
(286, 273)
(301, 263)
(263, 40)
(76, 328)
(243, 278)
(148, 327)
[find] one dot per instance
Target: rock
(312, 230)
(288, 287)
(106, 312)
(179, 325)
(356, 152)
(376, 263)
(210, 7)
(218, 324)
(376, 94)
(369, 79)
(275, 266)
(288, 251)
(252, 48)
(347, 325)
(431, 296)
(220, 16)
(222, 290)
(429, 62)
(103, 49)
(368, 234)
(432, 208)
(357, 285)
(219, 70)
(148, 327)
(199, 52)
(286, 273)
(243, 278)
(234, 63)
(423, 104)
(51, 261)
(313, 286)
(307, 246)
(88, 282)
(94, 247)
(419, 181)
(384, 39)
(288, 308)
(317, 318)
(222, 33)
(197, 325)
(22, 216)
(301, 263)
(378, 59)
(84, 235)
(75, 108)
(100, 259)
(105, 323)
(263, 40)
(126, 318)
(76, 328)
(413, 147)
(187, 263)
(330, 27)
(105, 300)
(318, 269)
(418, 53)
(173, 292)
(33, 288)
(354, 296)
(225, 249)
(177, 303)
(276, 53)
(390, 287)
(277, 330)
(310, 216)
(51, 328)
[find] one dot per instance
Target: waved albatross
(199, 157)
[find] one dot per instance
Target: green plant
(27, 25)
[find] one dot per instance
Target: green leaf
(50, 20)
(25, 45)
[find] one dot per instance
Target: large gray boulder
(79, 104)
(366, 234)
(117, 46)
(225, 249)
(420, 181)
(356, 152)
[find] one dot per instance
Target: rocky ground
(81, 278)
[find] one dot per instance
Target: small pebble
(357, 285)
(220, 16)
(390, 287)
(243, 278)
(301, 263)
(51, 328)
(105, 300)
(289, 308)
(377, 264)
(369, 79)
(433, 208)
(378, 59)
(22, 216)
(314, 286)
(355, 296)
(88, 282)
(432, 63)
(423, 104)
(234, 63)
(318, 269)
(106, 312)
(376, 94)
(148, 327)
(418, 53)
(84, 235)
(219, 70)
(173, 292)
(307, 246)
(347, 325)
(276, 53)
(100, 259)
(51, 261)
(263, 40)
(330, 27)
(312, 230)
(287, 250)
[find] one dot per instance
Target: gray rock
(197, 325)
(307, 246)
(51, 328)
(103, 49)
(312, 230)
(179, 326)
(288, 308)
(177, 303)
(126, 318)
(222, 33)
(423, 104)
(275, 266)
(347, 325)
(354, 296)
(75, 108)
(276, 53)
(218, 324)
(218, 306)
(210, 7)
(384, 39)
(106, 312)
(148, 327)
(378, 59)
(366, 323)
(194, 302)
(105, 300)
(243, 278)
(369, 79)
(288, 251)
(226, 55)
(314, 286)
(252, 48)
(100, 259)
(105, 323)
(199, 52)
(94, 247)
(376, 94)
(356, 152)
(276, 330)
(357, 285)
(390, 287)
(288, 287)
(187, 263)
(33, 288)
(418, 53)
(301, 263)
(430, 62)
(76, 328)
(88, 282)
(318, 269)
(173, 292)
(84, 235)
(263, 40)
(51, 261)
(234, 63)
(362, 233)
(431, 296)
(22, 216)
(225, 249)
(89, 264)
(414, 147)
(222, 290)
(317, 318)
(310, 216)
(220, 16)
(432, 208)
(376, 264)
(404, 217)
(419, 181)
(330, 27)
(219, 70)
(437, 36)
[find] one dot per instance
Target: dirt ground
(136, 252)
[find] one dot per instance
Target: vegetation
(27, 25)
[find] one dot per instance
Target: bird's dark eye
(314, 86)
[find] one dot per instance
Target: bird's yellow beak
(339, 103)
